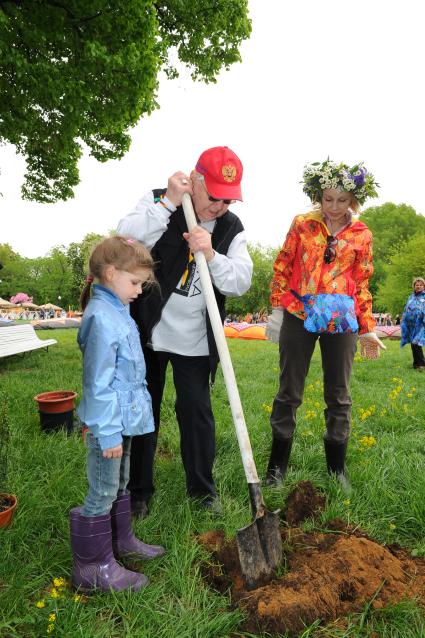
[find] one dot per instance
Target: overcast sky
(331, 78)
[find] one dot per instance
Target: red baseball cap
(222, 170)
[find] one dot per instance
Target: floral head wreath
(356, 180)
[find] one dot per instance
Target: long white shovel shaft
(223, 351)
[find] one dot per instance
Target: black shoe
(278, 462)
(139, 509)
(335, 462)
(211, 504)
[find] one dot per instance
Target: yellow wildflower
(54, 593)
(50, 628)
(77, 598)
(59, 582)
(347, 502)
(409, 395)
(52, 617)
(267, 408)
(392, 526)
(367, 441)
(40, 604)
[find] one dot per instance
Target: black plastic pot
(56, 421)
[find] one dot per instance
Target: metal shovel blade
(260, 549)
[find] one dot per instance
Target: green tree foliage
(75, 73)
(391, 225)
(258, 296)
(404, 265)
(14, 272)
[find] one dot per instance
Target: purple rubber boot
(124, 542)
(95, 567)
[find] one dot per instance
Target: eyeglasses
(330, 252)
(222, 201)
(214, 200)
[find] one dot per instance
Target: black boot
(278, 462)
(335, 461)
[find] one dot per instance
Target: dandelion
(40, 604)
(367, 441)
(52, 617)
(59, 582)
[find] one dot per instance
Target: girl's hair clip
(131, 241)
(89, 279)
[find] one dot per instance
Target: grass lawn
(386, 462)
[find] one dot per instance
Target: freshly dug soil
(328, 575)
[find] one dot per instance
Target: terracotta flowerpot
(56, 409)
(8, 503)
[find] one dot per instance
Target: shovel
(259, 544)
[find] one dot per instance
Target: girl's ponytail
(85, 293)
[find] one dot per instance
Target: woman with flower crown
(320, 292)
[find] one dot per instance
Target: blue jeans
(107, 478)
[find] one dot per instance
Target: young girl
(115, 406)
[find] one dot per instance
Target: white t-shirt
(182, 328)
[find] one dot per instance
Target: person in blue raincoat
(116, 405)
(413, 323)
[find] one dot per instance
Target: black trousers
(195, 420)
(296, 349)
(418, 356)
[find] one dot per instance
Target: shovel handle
(223, 351)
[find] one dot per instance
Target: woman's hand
(370, 345)
(113, 452)
(274, 325)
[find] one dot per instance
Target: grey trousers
(296, 349)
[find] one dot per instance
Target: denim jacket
(115, 401)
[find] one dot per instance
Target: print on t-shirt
(189, 283)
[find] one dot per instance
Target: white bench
(18, 339)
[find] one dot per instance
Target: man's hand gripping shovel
(259, 544)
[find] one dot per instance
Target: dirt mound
(328, 575)
(303, 502)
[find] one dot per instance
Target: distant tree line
(399, 255)
(60, 273)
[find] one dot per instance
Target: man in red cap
(173, 318)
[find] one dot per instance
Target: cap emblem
(229, 172)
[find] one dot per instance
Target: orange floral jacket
(300, 267)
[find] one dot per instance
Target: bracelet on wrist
(165, 206)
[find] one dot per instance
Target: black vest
(170, 254)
